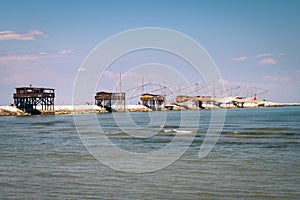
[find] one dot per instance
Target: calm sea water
(256, 157)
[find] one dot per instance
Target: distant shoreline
(290, 104)
(85, 109)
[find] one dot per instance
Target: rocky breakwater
(11, 111)
(137, 108)
(78, 109)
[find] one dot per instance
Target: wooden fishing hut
(107, 99)
(239, 102)
(28, 98)
(193, 102)
(153, 101)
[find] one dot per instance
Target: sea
(251, 154)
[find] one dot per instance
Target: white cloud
(82, 69)
(241, 58)
(267, 61)
(17, 58)
(111, 75)
(223, 82)
(66, 52)
(264, 61)
(264, 55)
(281, 54)
(277, 78)
(269, 55)
(11, 35)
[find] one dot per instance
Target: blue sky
(255, 44)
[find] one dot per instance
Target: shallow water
(256, 157)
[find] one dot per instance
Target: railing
(33, 95)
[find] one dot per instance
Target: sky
(255, 44)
